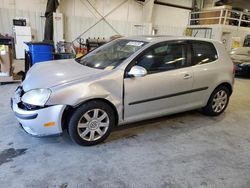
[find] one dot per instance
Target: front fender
(110, 89)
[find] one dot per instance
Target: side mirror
(137, 71)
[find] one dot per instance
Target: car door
(166, 86)
(205, 70)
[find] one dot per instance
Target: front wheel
(217, 102)
(91, 123)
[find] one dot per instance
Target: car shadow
(171, 125)
(154, 120)
(241, 77)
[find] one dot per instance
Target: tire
(212, 109)
(91, 123)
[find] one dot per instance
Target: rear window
(203, 52)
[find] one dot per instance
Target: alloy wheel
(93, 125)
(219, 101)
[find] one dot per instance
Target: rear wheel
(91, 123)
(218, 101)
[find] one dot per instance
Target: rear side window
(203, 52)
(164, 57)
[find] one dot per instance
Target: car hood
(53, 73)
(240, 58)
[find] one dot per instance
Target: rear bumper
(42, 122)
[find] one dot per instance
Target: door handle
(187, 76)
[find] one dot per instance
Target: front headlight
(37, 97)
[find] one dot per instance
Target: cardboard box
(5, 60)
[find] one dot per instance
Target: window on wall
(203, 52)
(164, 57)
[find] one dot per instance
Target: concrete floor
(179, 151)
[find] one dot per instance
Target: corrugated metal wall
(73, 25)
(34, 18)
(169, 30)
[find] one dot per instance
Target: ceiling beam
(169, 4)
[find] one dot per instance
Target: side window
(203, 52)
(164, 57)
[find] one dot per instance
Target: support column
(148, 10)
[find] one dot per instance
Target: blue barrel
(40, 51)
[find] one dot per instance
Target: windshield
(112, 54)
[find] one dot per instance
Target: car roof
(161, 38)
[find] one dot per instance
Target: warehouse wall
(128, 11)
(78, 16)
(167, 20)
(33, 5)
(10, 9)
(125, 19)
(170, 20)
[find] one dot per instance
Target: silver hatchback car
(124, 81)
